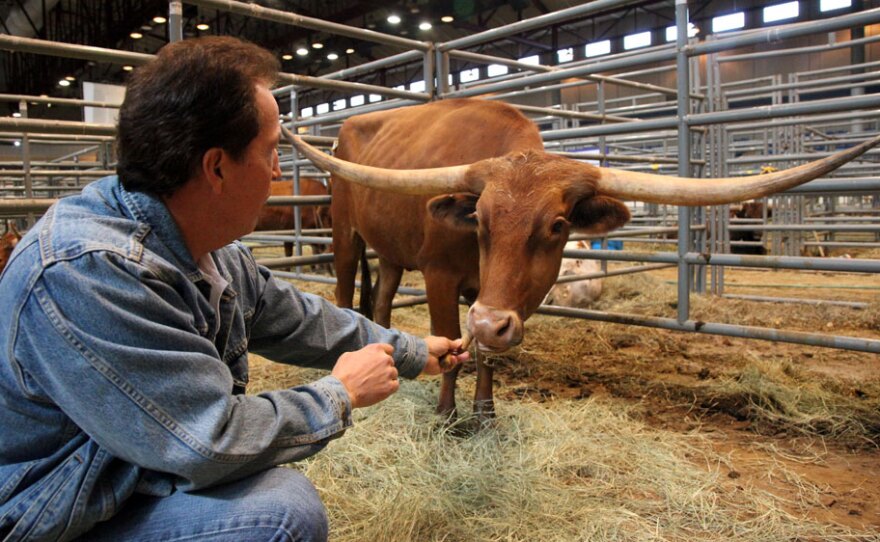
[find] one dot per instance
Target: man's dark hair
(197, 94)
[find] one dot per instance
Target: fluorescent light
(16, 114)
(733, 21)
(70, 78)
(780, 12)
(447, 18)
(16, 143)
(829, 5)
(565, 55)
(425, 26)
(394, 19)
(598, 48)
(64, 83)
(635, 41)
(158, 19)
(136, 35)
(534, 60)
(128, 68)
(202, 26)
(287, 57)
(317, 45)
(494, 70)
(332, 56)
(302, 51)
(349, 51)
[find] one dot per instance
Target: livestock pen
(677, 424)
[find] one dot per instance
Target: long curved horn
(632, 185)
(419, 182)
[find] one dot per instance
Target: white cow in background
(578, 294)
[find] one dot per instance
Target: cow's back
(438, 134)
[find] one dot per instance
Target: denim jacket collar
(148, 208)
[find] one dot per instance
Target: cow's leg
(442, 291)
(288, 252)
(348, 246)
(389, 281)
(484, 405)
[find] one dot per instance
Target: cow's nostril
(502, 330)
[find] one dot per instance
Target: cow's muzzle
(494, 330)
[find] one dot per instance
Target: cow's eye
(558, 225)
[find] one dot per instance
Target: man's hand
(368, 374)
(437, 347)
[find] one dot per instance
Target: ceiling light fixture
(64, 83)
(158, 19)
(16, 114)
(349, 51)
(425, 25)
(70, 78)
(393, 19)
(202, 26)
(287, 57)
(317, 45)
(302, 51)
(136, 35)
(447, 18)
(128, 68)
(332, 56)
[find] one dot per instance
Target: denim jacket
(113, 379)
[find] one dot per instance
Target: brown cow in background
(7, 243)
(280, 217)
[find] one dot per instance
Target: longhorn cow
(463, 191)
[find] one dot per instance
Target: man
(128, 316)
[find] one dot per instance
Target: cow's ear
(598, 214)
(456, 211)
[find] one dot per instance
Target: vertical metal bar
(428, 71)
(684, 213)
(297, 213)
(26, 162)
(175, 21)
(698, 271)
(442, 68)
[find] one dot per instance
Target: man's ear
(212, 167)
(599, 214)
(456, 211)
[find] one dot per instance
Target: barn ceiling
(110, 24)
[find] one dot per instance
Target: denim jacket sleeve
(129, 367)
(313, 332)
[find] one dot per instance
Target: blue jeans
(277, 505)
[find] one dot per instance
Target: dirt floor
(769, 408)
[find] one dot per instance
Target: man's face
(250, 176)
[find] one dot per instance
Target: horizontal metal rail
(56, 101)
(70, 50)
(293, 19)
(727, 330)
